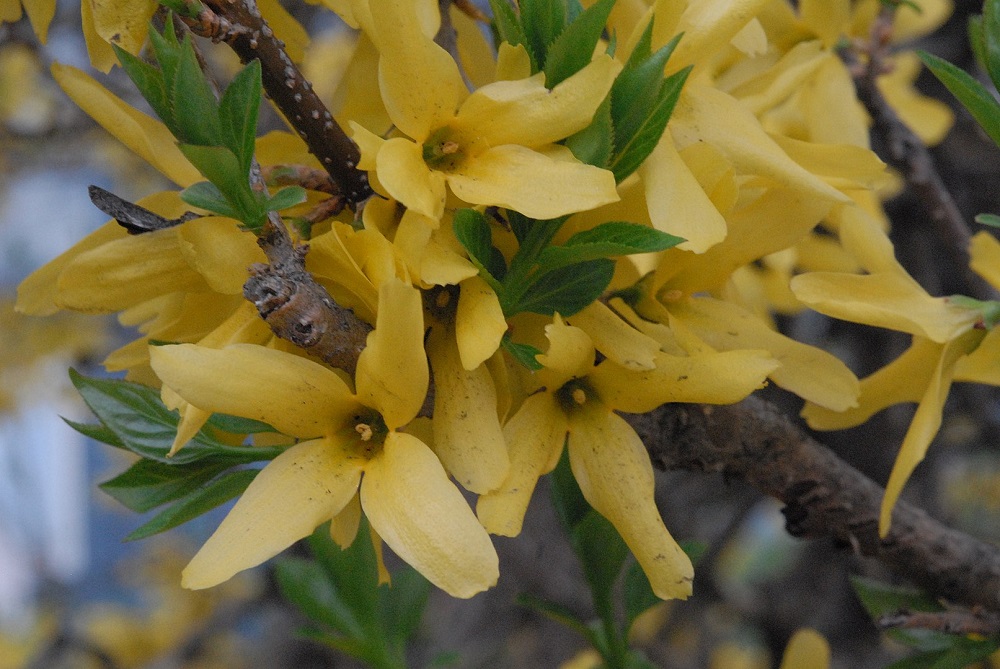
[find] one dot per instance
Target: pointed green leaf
(523, 353)
(638, 594)
(594, 144)
(991, 40)
(602, 554)
(556, 612)
(222, 168)
(615, 238)
(573, 49)
(638, 147)
(195, 109)
(571, 507)
(238, 113)
(96, 432)
(148, 484)
(353, 573)
(977, 40)
(543, 21)
(287, 197)
(149, 81)
(205, 195)
(636, 90)
(991, 220)
(238, 424)
(167, 51)
(473, 233)
(972, 94)
(143, 425)
(305, 584)
(402, 605)
(509, 29)
(197, 503)
(568, 289)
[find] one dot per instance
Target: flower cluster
(510, 182)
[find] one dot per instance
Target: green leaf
(573, 49)
(401, 605)
(196, 503)
(602, 554)
(306, 585)
(520, 224)
(640, 144)
(977, 40)
(543, 21)
(568, 289)
(594, 144)
(287, 197)
(205, 195)
(972, 94)
(523, 353)
(638, 594)
(637, 88)
(571, 507)
(991, 40)
(96, 432)
(615, 238)
(352, 571)
(509, 28)
(238, 113)
(881, 599)
(148, 484)
(473, 233)
(195, 109)
(167, 51)
(222, 168)
(149, 81)
(141, 423)
(961, 653)
(238, 424)
(991, 220)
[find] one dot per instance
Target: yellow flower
(351, 444)
(807, 649)
(493, 147)
(575, 406)
(40, 13)
(945, 338)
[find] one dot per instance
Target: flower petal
(392, 373)
(421, 85)
(294, 395)
(525, 112)
(615, 475)
(926, 423)
(406, 177)
(467, 434)
(980, 366)
(423, 517)
(570, 354)
(807, 371)
(218, 250)
(296, 492)
(985, 252)
(530, 182)
(615, 338)
(536, 435)
(479, 322)
(807, 649)
(714, 378)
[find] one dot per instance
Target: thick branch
(824, 496)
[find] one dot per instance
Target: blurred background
(72, 594)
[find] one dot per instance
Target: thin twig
(954, 621)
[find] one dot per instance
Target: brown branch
(824, 496)
(241, 26)
(908, 154)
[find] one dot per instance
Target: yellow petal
(615, 475)
(220, 252)
(843, 166)
(421, 85)
(513, 63)
(123, 22)
(827, 18)
(425, 520)
(885, 300)
(929, 118)
(295, 493)
(296, 396)
(708, 26)
(525, 112)
(807, 649)
(807, 371)
(925, 425)
(40, 13)
(985, 252)
(615, 338)
(467, 434)
(102, 56)
(344, 526)
(536, 435)
(715, 378)
(980, 366)
(516, 177)
(37, 294)
(902, 380)
(406, 177)
(392, 374)
(479, 322)
(677, 203)
(368, 143)
(125, 272)
(570, 355)
(148, 138)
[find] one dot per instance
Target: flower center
(371, 430)
(575, 394)
(441, 151)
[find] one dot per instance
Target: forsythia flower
(351, 445)
(945, 339)
(494, 146)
